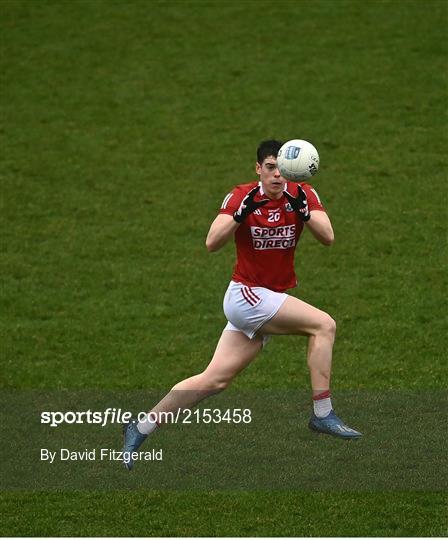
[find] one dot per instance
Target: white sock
(147, 425)
(322, 407)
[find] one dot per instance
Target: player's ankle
(148, 424)
(322, 403)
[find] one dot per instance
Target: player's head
(266, 168)
(268, 148)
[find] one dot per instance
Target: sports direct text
(273, 237)
(117, 416)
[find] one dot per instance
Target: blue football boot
(132, 440)
(332, 425)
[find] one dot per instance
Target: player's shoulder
(241, 190)
(245, 188)
(233, 199)
(312, 195)
(293, 187)
(307, 188)
(305, 185)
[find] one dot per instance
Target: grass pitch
(124, 124)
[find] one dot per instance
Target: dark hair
(268, 148)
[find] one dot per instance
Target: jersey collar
(261, 192)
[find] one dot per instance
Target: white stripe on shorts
(248, 308)
(250, 296)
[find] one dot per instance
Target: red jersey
(266, 240)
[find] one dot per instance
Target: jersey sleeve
(314, 202)
(232, 201)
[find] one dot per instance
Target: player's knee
(215, 384)
(221, 385)
(328, 326)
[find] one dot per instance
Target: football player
(266, 219)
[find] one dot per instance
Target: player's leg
(233, 353)
(298, 317)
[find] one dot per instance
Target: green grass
(123, 125)
(145, 513)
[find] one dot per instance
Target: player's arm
(320, 226)
(221, 230)
(310, 210)
(230, 218)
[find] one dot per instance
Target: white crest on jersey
(257, 212)
(226, 200)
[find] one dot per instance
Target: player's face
(272, 181)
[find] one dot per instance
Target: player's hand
(248, 205)
(299, 204)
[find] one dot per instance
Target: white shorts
(248, 308)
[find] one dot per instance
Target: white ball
(297, 160)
